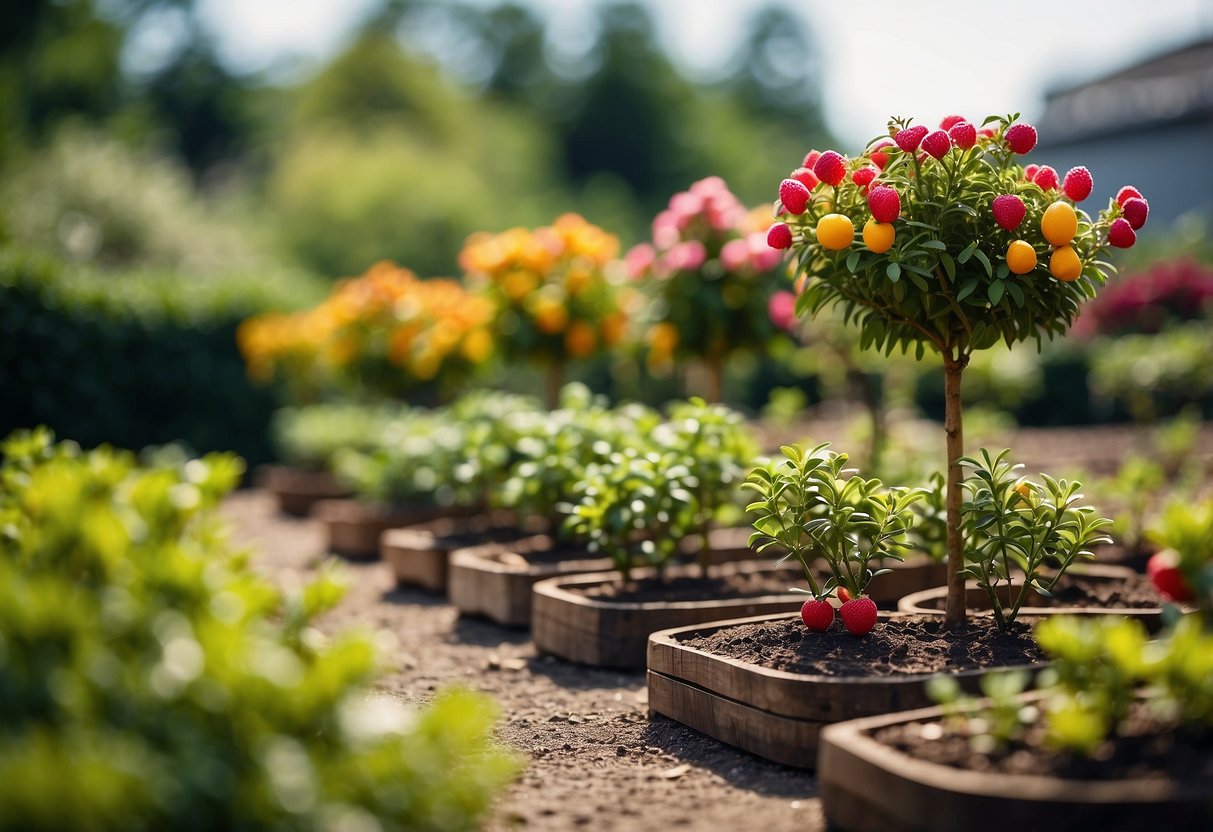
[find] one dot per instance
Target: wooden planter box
(420, 556)
(913, 575)
(932, 601)
(869, 787)
(495, 581)
(772, 713)
(615, 634)
(352, 528)
(296, 490)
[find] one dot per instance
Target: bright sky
(880, 57)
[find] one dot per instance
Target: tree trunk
(715, 365)
(553, 381)
(953, 426)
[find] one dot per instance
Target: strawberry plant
(1015, 527)
(810, 507)
(960, 249)
(1183, 569)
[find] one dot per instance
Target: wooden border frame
(296, 490)
(352, 528)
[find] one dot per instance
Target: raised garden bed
(420, 556)
(352, 528)
(879, 773)
(1095, 589)
(767, 685)
(296, 490)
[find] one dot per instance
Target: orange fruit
(835, 231)
(663, 339)
(878, 236)
(1064, 264)
(580, 340)
(550, 316)
(1059, 224)
(1021, 257)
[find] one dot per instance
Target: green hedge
(135, 359)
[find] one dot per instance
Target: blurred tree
(775, 72)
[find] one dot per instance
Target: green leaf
(853, 261)
(994, 292)
(893, 271)
(966, 253)
(985, 261)
(967, 289)
(937, 245)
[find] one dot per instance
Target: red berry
(1078, 183)
(794, 195)
(1166, 577)
(863, 177)
(1030, 172)
(878, 158)
(1121, 234)
(779, 236)
(949, 122)
(843, 594)
(884, 203)
(805, 177)
(817, 615)
(988, 132)
(1135, 210)
(858, 615)
(1126, 193)
(937, 144)
(811, 158)
(1021, 138)
(1046, 179)
(909, 138)
(1009, 211)
(831, 167)
(963, 135)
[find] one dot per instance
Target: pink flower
(639, 260)
(782, 309)
(666, 230)
(735, 254)
(686, 205)
(762, 257)
(686, 256)
(709, 186)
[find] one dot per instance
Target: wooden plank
(352, 528)
(296, 490)
(792, 742)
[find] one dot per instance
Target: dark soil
(1135, 592)
(897, 645)
(732, 584)
(1148, 749)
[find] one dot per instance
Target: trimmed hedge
(135, 359)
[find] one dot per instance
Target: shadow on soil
(484, 633)
(413, 595)
(740, 768)
(581, 677)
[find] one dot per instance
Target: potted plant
(711, 280)
(961, 248)
(553, 298)
(1117, 736)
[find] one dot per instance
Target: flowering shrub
(712, 279)
(550, 290)
(386, 333)
(961, 248)
(1148, 301)
(152, 681)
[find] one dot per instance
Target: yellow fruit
(663, 338)
(835, 232)
(478, 346)
(1021, 257)
(550, 316)
(1059, 224)
(878, 236)
(580, 340)
(614, 327)
(1064, 264)
(517, 285)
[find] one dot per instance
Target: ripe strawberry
(937, 144)
(1021, 138)
(1009, 211)
(817, 615)
(909, 138)
(843, 594)
(1121, 234)
(1135, 210)
(779, 236)
(1126, 193)
(949, 122)
(884, 203)
(1029, 172)
(794, 195)
(811, 158)
(880, 159)
(863, 177)
(831, 167)
(805, 177)
(1165, 575)
(1046, 178)
(858, 615)
(963, 135)
(1078, 183)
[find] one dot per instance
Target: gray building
(1149, 125)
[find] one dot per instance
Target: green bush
(311, 436)
(151, 681)
(135, 359)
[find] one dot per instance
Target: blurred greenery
(152, 681)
